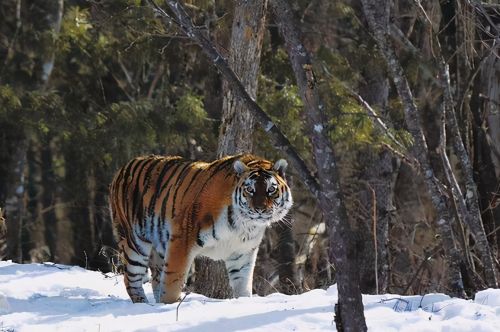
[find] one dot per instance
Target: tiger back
(168, 210)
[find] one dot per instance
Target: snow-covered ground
(48, 297)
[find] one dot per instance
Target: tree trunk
(3, 236)
(15, 205)
(485, 102)
(377, 195)
(48, 199)
(51, 20)
(287, 269)
(236, 132)
(490, 75)
(349, 308)
(103, 230)
(377, 15)
(76, 194)
(34, 243)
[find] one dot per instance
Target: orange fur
(164, 207)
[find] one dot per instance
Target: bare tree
(376, 193)
(349, 309)
(438, 175)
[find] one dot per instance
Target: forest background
(87, 85)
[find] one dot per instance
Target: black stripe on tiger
(225, 164)
(159, 187)
(199, 241)
(146, 183)
(133, 262)
(193, 178)
(215, 168)
(137, 209)
(230, 218)
(129, 184)
(180, 178)
(167, 186)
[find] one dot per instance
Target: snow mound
(52, 297)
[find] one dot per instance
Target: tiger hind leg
(156, 267)
(135, 271)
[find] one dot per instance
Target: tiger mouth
(266, 215)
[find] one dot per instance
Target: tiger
(167, 210)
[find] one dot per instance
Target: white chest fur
(227, 238)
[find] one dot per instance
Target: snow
(51, 297)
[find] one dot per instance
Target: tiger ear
(240, 167)
(280, 167)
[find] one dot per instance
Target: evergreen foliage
(123, 85)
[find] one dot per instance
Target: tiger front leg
(175, 269)
(240, 268)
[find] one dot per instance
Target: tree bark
(279, 141)
(490, 74)
(51, 23)
(377, 15)
(15, 204)
(485, 102)
(34, 243)
(380, 175)
(349, 308)
(467, 206)
(244, 59)
(236, 131)
(328, 195)
(287, 269)
(48, 199)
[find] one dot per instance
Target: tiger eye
(272, 191)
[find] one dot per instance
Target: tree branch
(377, 15)
(349, 309)
(467, 208)
(278, 139)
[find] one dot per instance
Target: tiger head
(262, 194)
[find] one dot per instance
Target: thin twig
(177, 309)
(377, 119)
(421, 266)
(56, 266)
